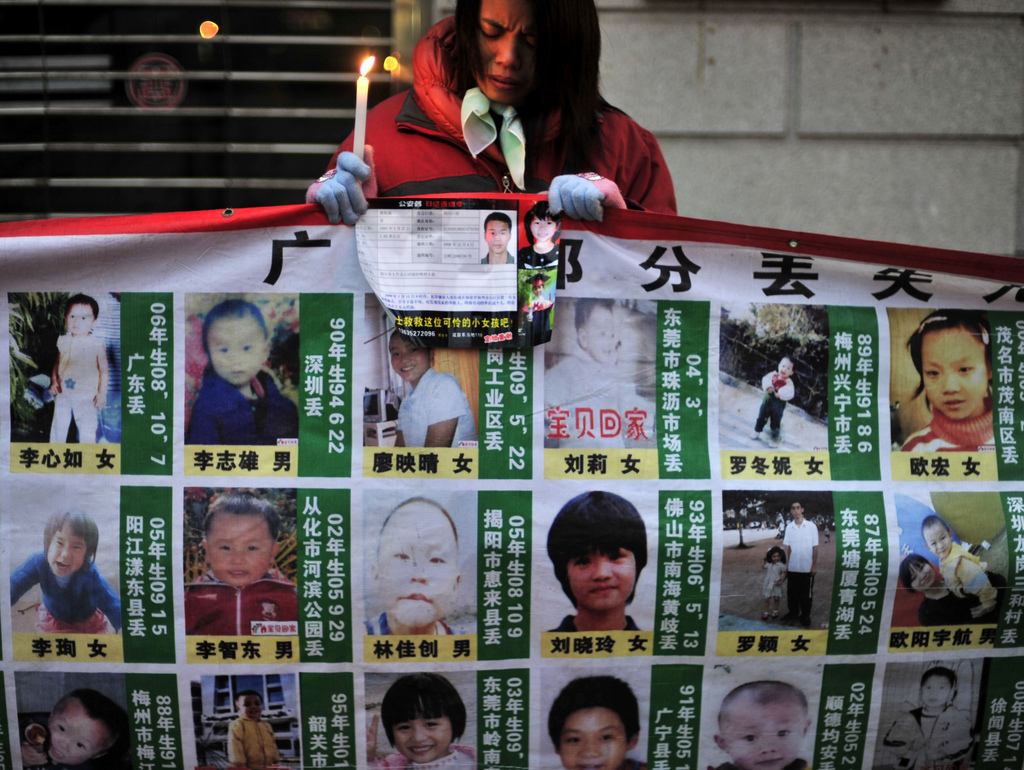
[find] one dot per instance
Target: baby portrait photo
(416, 396)
(595, 720)
(426, 719)
(755, 717)
(240, 562)
(929, 713)
(599, 375)
(778, 559)
(596, 576)
(940, 386)
(72, 721)
(954, 559)
(65, 357)
(246, 720)
(65, 566)
(241, 369)
(419, 563)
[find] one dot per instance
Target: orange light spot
(208, 29)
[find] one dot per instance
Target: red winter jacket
(419, 148)
(213, 608)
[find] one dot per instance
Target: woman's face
(544, 230)
(922, 578)
(955, 373)
(507, 38)
(409, 362)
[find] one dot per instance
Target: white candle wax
(362, 88)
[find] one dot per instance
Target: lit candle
(362, 88)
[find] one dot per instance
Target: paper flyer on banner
(463, 272)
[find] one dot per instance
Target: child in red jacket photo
(241, 587)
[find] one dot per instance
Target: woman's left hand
(584, 196)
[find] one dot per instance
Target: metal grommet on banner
(228, 213)
(794, 243)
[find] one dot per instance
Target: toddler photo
(773, 377)
(240, 561)
(241, 369)
(247, 721)
(65, 367)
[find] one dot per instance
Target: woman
(445, 136)
(940, 606)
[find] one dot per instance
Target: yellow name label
(421, 462)
(942, 638)
(80, 648)
(776, 466)
(605, 464)
(242, 649)
(281, 461)
(945, 466)
(419, 649)
(787, 642)
(66, 458)
(596, 644)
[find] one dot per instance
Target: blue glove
(341, 196)
(576, 196)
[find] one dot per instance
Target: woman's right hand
(340, 193)
(55, 386)
(371, 739)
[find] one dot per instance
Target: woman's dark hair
(775, 550)
(541, 210)
(566, 72)
(596, 522)
(422, 696)
(592, 692)
(974, 322)
(911, 564)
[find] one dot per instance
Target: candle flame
(208, 29)
(364, 68)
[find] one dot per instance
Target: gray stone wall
(891, 121)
